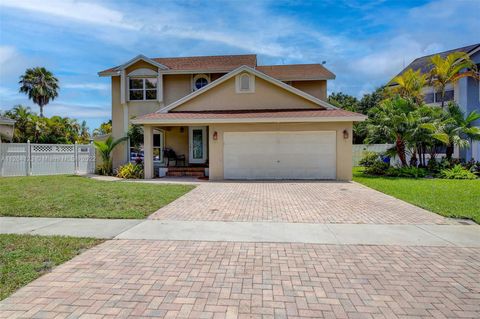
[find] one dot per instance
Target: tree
(392, 120)
(409, 85)
(104, 129)
(454, 129)
(106, 148)
(449, 70)
(343, 101)
(40, 85)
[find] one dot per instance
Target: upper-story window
(141, 89)
(199, 81)
(436, 97)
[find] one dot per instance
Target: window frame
(251, 83)
(199, 76)
(144, 88)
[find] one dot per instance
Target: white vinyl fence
(359, 149)
(25, 159)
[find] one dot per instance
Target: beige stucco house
(228, 118)
(6, 129)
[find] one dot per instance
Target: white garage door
(279, 155)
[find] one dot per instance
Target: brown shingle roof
(291, 72)
(213, 62)
(249, 114)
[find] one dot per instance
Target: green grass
(76, 196)
(23, 258)
(450, 198)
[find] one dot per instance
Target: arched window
(245, 82)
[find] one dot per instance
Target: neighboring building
(6, 129)
(232, 119)
(466, 92)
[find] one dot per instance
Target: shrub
(368, 159)
(377, 168)
(130, 171)
(410, 172)
(457, 172)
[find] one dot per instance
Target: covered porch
(175, 150)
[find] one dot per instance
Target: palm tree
(410, 84)
(448, 70)
(455, 129)
(40, 85)
(105, 148)
(392, 120)
(104, 129)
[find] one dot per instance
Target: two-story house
(465, 92)
(229, 118)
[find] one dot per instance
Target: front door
(197, 139)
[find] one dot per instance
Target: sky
(364, 42)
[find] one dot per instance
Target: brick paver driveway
(184, 279)
(296, 202)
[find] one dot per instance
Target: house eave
(249, 120)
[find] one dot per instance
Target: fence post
(75, 158)
(28, 160)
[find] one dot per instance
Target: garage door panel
(280, 155)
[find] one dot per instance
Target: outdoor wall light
(182, 129)
(215, 136)
(345, 133)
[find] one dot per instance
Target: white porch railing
(25, 159)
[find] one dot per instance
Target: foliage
(40, 85)
(106, 148)
(368, 159)
(409, 172)
(450, 198)
(409, 85)
(80, 197)
(104, 129)
(23, 258)
(135, 134)
(344, 101)
(130, 171)
(450, 70)
(392, 120)
(453, 129)
(377, 168)
(54, 130)
(457, 172)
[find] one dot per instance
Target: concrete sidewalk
(77, 227)
(347, 234)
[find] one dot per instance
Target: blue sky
(364, 43)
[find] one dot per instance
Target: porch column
(148, 151)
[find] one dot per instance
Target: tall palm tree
(455, 129)
(449, 70)
(393, 120)
(106, 148)
(40, 85)
(410, 84)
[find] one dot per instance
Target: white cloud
(86, 12)
(86, 86)
(77, 111)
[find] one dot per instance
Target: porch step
(186, 171)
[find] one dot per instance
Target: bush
(377, 168)
(410, 172)
(130, 171)
(457, 172)
(368, 159)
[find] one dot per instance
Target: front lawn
(450, 198)
(23, 258)
(76, 196)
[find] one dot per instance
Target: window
(142, 89)
(199, 81)
(245, 83)
(436, 97)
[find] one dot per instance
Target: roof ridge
(206, 56)
(455, 50)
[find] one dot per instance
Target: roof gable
(308, 99)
